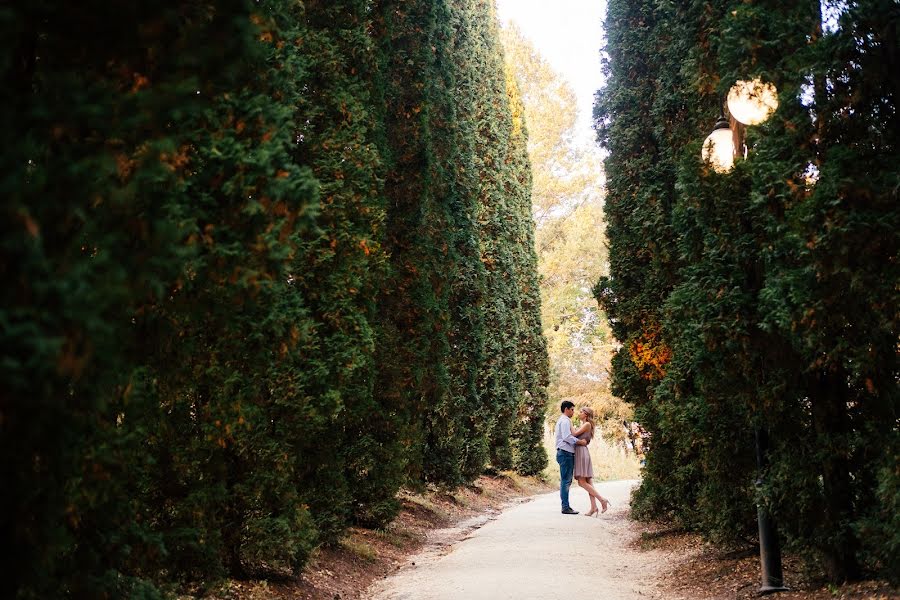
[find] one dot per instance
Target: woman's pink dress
(583, 466)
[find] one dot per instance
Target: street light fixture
(749, 103)
(752, 102)
(718, 147)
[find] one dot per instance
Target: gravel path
(531, 551)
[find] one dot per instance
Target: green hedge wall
(764, 298)
(265, 263)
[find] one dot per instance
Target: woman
(584, 472)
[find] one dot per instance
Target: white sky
(569, 34)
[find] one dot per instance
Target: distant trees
(568, 208)
(764, 298)
(265, 262)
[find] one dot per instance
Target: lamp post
(750, 103)
(772, 579)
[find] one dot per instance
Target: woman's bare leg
(587, 484)
(581, 482)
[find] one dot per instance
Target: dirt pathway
(533, 551)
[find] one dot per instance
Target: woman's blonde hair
(587, 410)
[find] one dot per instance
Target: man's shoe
(569, 511)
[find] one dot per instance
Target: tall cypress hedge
(777, 298)
(247, 291)
(528, 454)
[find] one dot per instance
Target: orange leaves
(31, 225)
(177, 160)
(365, 246)
(124, 166)
(74, 356)
(140, 82)
(207, 234)
(649, 353)
(280, 209)
(261, 22)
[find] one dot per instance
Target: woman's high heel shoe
(592, 513)
(605, 504)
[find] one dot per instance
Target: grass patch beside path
(610, 462)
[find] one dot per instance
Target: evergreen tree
(775, 309)
(114, 125)
(413, 374)
(248, 297)
(529, 456)
(640, 194)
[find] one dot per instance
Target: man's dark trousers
(566, 462)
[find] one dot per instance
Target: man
(565, 454)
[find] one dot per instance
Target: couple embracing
(574, 459)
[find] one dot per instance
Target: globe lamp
(752, 102)
(718, 147)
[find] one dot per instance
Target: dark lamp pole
(772, 579)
